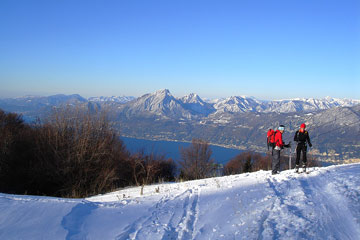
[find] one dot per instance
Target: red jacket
(278, 139)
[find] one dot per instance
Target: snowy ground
(324, 204)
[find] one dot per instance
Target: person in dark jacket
(302, 138)
(279, 144)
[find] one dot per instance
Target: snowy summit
(323, 204)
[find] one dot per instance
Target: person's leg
(298, 152)
(276, 162)
(304, 148)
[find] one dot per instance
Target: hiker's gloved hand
(310, 145)
(287, 145)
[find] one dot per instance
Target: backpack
(271, 138)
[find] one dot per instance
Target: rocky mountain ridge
(236, 122)
(162, 102)
(116, 99)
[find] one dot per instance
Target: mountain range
(117, 99)
(237, 122)
(163, 103)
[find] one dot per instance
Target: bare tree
(83, 150)
(74, 153)
(247, 162)
(196, 162)
(261, 162)
(237, 164)
(312, 161)
(16, 143)
(151, 168)
(143, 168)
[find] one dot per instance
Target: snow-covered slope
(195, 104)
(238, 104)
(161, 103)
(117, 99)
(324, 204)
(250, 104)
(307, 104)
(38, 102)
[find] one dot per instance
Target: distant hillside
(163, 103)
(334, 132)
(116, 99)
(32, 107)
(237, 122)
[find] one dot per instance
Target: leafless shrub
(312, 161)
(196, 162)
(81, 150)
(74, 153)
(261, 162)
(16, 142)
(247, 162)
(151, 168)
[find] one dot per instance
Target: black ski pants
(301, 147)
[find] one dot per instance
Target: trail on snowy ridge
(324, 204)
(267, 207)
(310, 207)
(173, 217)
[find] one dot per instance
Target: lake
(171, 149)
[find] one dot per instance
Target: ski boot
(304, 168)
(297, 169)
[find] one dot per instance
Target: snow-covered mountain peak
(161, 102)
(162, 96)
(328, 98)
(196, 105)
(190, 104)
(237, 104)
(157, 97)
(117, 99)
(192, 98)
(162, 93)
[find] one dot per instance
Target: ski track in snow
(324, 204)
(74, 220)
(170, 218)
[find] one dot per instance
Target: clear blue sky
(267, 49)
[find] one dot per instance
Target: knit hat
(303, 125)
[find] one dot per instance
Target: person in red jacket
(279, 144)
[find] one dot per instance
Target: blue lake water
(172, 149)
